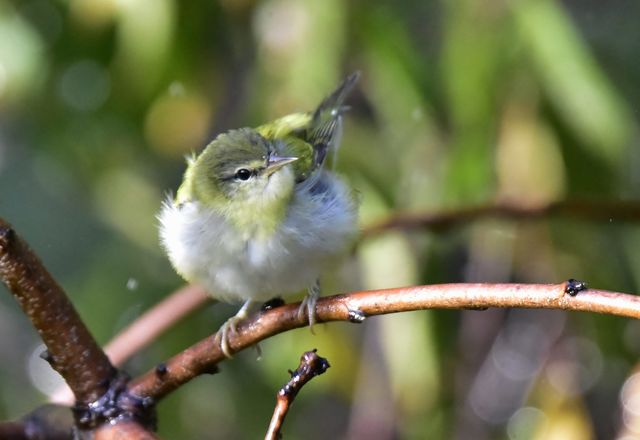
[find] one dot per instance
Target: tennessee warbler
(257, 215)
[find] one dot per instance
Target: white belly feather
(205, 249)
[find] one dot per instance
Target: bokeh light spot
(84, 86)
(525, 422)
(177, 122)
(42, 376)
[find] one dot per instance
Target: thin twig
(155, 322)
(72, 351)
(606, 210)
(355, 307)
(311, 365)
(144, 330)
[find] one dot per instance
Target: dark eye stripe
(241, 174)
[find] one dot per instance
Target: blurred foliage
(461, 102)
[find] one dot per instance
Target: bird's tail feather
(326, 124)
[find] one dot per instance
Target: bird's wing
(325, 127)
(290, 125)
(288, 136)
(310, 136)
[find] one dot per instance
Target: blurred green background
(461, 103)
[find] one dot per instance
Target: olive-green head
(245, 175)
(241, 175)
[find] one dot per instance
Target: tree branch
(100, 390)
(146, 329)
(123, 430)
(185, 301)
(14, 431)
(49, 422)
(588, 210)
(355, 307)
(72, 351)
(155, 322)
(311, 365)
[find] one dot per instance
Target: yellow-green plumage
(257, 215)
(208, 180)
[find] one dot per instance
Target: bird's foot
(231, 326)
(308, 305)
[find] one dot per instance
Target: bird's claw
(231, 325)
(308, 305)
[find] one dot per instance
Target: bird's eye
(243, 174)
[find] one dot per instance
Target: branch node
(116, 404)
(573, 287)
(46, 356)
(161, 370)
(272, 304)
(356, 316)
(311, 365)
(7, 235)
(145, 403)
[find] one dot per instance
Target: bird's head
(239, 173)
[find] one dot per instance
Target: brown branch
(72, 351)
(99, 388)
(185, 301)
(603, 210)
(311, 365)
(355, 307)
(14, 431)
(146, 329)
(155, 322)
(123, 430)
(48, 421)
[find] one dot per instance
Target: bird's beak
(277, 162)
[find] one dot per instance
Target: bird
(259, 214)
